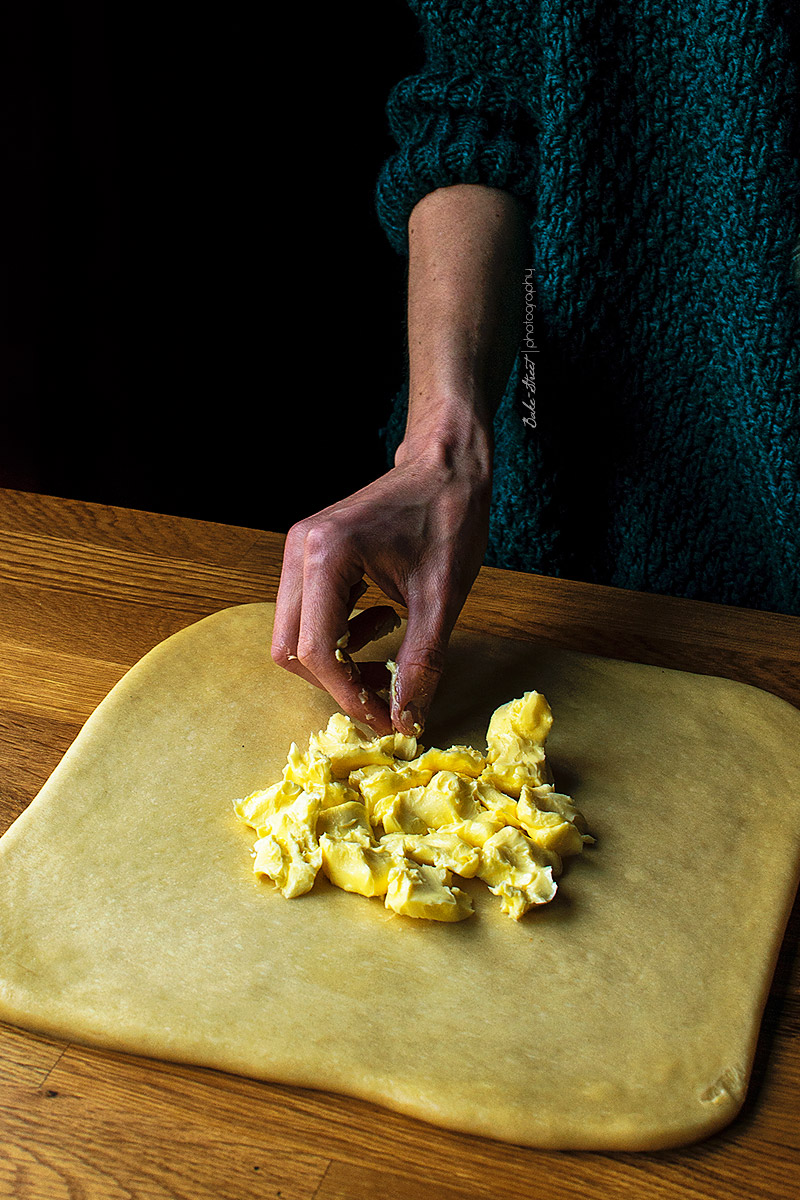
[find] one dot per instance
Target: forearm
(467, 250)
(419, 531)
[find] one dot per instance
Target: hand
(419, 532)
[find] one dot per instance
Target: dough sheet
(622, 1015)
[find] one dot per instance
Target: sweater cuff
(462, 129)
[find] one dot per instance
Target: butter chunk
(517, 871)
(335, 793)
(549, 830)
(498, 803)
(309, 769)
(356, 867)
(417, 890)
(448, 798)
(515, 741)
(477, 830)
(404, 746)
(287, 850)
(462, 759)
(379, 783)
(288, 862)
(348, 748)
(400, 813)
(255, 808)
(439, 848)
(520, 723)
(548, 799)
(348, 822)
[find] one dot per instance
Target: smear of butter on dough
(381, 816)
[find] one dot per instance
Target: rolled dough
(623, 1015)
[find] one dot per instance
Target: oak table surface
(85, 591)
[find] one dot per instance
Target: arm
(420, 530)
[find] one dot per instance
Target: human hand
(419, 532)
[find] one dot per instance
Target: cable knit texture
(654, 146)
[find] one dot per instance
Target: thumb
(420, 662)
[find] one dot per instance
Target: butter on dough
(626, 1019)
(416, 817)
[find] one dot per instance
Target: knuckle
(297, 533)
(313, 534)
(328, 542)
(426, 658)
(320, 533)
(425, 669)
(317, 539)
(283, 657)
(310, 655)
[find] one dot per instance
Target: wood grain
(86, 590)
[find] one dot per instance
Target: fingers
(420, 662)
(419, 534)
(356, 592)
(288, 606)
(312, 636)
(415, 686)
(370, 625)
(330, 572)
(376, 675)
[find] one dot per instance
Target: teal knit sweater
(655, 148)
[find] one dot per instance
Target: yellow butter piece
(287, 850)
(356, 867)
(420, 891)
(400, 813)
(437, 848)
(548, 799)
(383, 818)
(520, 723)
(500, 804)
(515, 741)
(255, 808)
(335, 793)
(477, 830)
(404, 746)
(517, 871)
(348, 748)
(347, 822)
(288, 862)
(462, 759)
(448, 798)
(310, 769)
(378, 783)
(550, 830)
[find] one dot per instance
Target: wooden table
(85, 591)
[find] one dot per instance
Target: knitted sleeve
(468, 116)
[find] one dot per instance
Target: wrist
(452, 431)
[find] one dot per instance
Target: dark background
(200, 313)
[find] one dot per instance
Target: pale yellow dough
(622, 1015)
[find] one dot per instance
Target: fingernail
(412, 720)
(351, 668)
